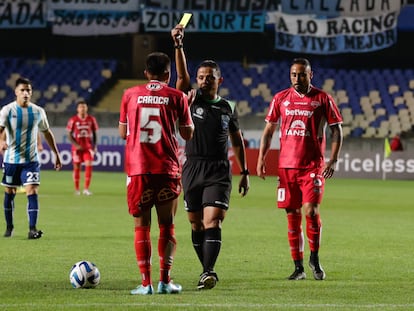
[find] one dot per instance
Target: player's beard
(300, 88)
(205, 90)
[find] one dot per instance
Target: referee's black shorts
(206, 183)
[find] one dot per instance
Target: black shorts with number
(206, 183)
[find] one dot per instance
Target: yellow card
(185, 19)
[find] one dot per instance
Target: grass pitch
(366, 251)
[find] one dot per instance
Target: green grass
(367, 251)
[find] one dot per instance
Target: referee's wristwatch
(245, 172)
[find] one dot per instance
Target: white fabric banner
(102, 5)
(309, 34)
(308, 25)
(93, 23)
(340, 7)
(216, 5)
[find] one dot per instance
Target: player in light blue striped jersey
(20, 122)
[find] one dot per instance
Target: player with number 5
(148, 117)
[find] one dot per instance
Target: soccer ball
(84, 274)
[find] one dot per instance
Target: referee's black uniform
(207, 172)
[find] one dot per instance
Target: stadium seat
(247, 81)
(380, 112)
(85, 84)
(357, 132)
(382, 132)
(346, 131)
(369, 132)
(243, 108)
(407, 95)
(51, 77)
(393, 88)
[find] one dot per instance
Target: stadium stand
(375, 103)
(58, 83)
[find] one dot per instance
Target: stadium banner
(218, 6)
(107, 159)
(98, 5)
(372, 164)
(110, 158)
(351, 164)
(110, 136)
(93, 22)
(340, 7)
(205, 21)
(23, 14)
(309, 34)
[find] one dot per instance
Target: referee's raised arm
(183, 77)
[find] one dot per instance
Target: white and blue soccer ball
(84, 274)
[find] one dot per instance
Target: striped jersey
(22, 125)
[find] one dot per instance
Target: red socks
(295, 235)
(76, 177)
(88, 176)
(166, 250)
(313, 232)
(167, 245)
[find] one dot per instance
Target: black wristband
(180, 46)
(245, 172)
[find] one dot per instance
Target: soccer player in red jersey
(302, 113)
(396, 144)
(149, 115)
(82, 132)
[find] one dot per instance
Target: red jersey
(151, 112)
(82, 130)
(302, 120)
(396, 144)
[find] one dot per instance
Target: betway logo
(298, 112)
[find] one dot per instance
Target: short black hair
(301, 61)
(158, 63)
(210, 63)
(81, 102)
(23, 80)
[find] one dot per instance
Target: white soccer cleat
(143, 290)
(169, 288)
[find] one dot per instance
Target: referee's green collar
(213, 101)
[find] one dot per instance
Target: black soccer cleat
(34, 234)
(207, 280)
(317, 270)
(298, 274)
(9, 232)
